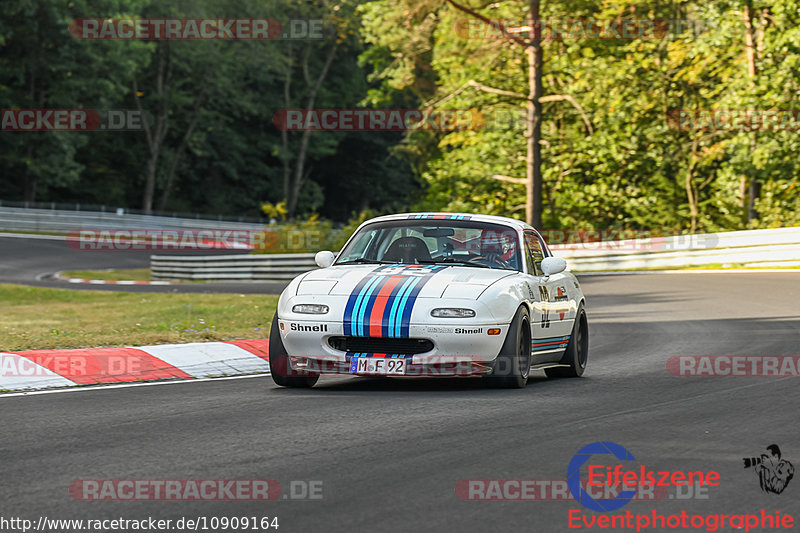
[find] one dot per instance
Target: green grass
(132, 274)
(35, 318)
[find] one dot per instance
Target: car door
(550, 323)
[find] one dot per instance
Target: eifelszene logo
(612, 477)
(773, 472)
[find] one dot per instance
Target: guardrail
(757, 248)
(97, 208)
(64, 221)
(754, 248)
(273, 267)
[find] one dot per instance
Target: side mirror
(324, 259)
(553, 265)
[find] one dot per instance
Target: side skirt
(542, 366)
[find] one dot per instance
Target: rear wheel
(577, 352)
(513, 365)
(279, 363)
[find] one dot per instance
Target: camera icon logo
(774, 473)
(574, 482)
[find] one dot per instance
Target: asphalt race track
(390, 453)
(33, 261)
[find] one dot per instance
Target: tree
(533, 161)
(44, 67)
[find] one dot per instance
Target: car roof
(516, 224)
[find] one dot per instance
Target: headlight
(453, 312)
(310, 309)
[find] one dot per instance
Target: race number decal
(545, 297)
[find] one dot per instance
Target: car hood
(447, 282)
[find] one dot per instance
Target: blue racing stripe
(394, 330)
(358, 313)
(369, 303)
(404, 316)
(351, 303)
(393, 306)
(357, 308)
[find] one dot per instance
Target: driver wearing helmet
(497, 249)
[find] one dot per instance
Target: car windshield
(458, 242)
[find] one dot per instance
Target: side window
(533, 254)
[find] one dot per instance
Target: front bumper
(456, 349)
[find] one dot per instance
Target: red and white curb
(44, 369)
(61, 277)
(110, 282)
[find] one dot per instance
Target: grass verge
(35, 318)
(131, 274)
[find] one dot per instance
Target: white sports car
(432, 294)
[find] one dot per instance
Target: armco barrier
(274, 267)
(756, 248)
(63, 221)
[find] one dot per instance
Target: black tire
(577, 353)
(513, 365)
(279, 363)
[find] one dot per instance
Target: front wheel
(279, 363)
(577, 352)
(513, 365)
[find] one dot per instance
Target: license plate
(378, 365)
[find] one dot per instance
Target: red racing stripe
(376, 317)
